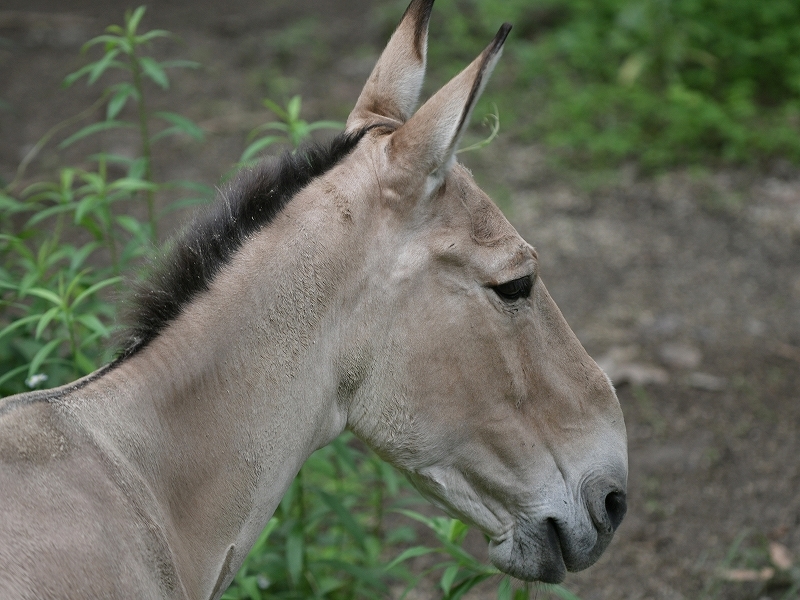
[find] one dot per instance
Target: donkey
(366, 284)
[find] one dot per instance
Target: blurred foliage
(65, 243)
(661, 82)
(328, 538)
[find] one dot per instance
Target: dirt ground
(684, 286)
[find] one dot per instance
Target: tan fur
(366, 304)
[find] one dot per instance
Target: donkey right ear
(392, 90)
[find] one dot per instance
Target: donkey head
(477, 388)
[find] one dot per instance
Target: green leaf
(410, 553)
(417, 517)
(116, 30)
(18, 323)
(272, 525)
(111, 41)
(466, 559)
(277, 126)
(47, 317)
(48, 212)
(151, 35)
(325, 125)
(10, 204)
(48, 295)
(11, 240)
(133, 184)
(293, 109)
(79, 257)
(84, 363)
(93, 324)
(457, 531)
(504, 589)
(12, 373)
(86, 205)
(344, 453)
(467, 584)
(122, 92)
(521, 594)
(182, 124)
(77, 280)
(389, 477)
(449, 575)
(295, 543)
(95, 128)
(99, 67)
(185, 203)
(258, 146)
(154, 71)
(42, 355)
(73, 77)
(94, 289)
(345, 518)
(276, 108)
(138, 168)
(132, 20)
(131, 224)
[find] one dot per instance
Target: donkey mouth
(532, 554)
(553, 568)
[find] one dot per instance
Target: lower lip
(554, 566)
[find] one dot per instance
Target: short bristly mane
(244, 206)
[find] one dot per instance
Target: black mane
(245, 205)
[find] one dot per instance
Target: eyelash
(513, 290)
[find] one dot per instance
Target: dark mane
(243, 207)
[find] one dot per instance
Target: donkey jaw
(545, 551)
(535, 545)
(531, 553)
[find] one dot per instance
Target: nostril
(616, 506)
(605, 500)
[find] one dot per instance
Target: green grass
(663, 83)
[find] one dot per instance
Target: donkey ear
(427, 143)
(393, 88)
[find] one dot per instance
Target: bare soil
(685, 286)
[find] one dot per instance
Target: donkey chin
(544, 550)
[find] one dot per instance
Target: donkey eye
(514, 289)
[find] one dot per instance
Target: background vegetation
(654, 82)
(659, 82)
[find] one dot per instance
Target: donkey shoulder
(75, 531)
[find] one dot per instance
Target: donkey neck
(220, 411)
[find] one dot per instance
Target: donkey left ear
(427, 143)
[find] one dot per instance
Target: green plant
(661, 82)
(63, 243)
(52, 317)
(289, 129)
(460, 571)
(126, 43)
(328, 538)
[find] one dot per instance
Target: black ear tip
(500, 38)
(421, 9)
(502, 34)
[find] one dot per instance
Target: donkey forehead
(474, 228)
(465, 201)
(456, 220)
